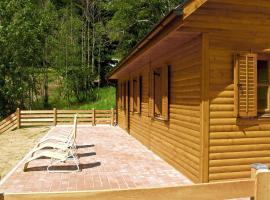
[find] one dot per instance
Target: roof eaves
(176, 12)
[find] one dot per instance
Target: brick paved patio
(109, 159)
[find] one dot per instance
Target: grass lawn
(105, 99)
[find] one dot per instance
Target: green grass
(105, 99)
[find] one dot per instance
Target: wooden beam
(205, 110)
(112, 117)
(151, 43)
(55, 117)
(262, 185)
(192, 7)
(210, 191)
(93, 117)
(18, 113)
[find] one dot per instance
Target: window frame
(157, 113)
(123, 95)
(120, 95)
(264, 57)
(135, 95)
(164, 93)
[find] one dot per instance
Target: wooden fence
(259, 188)
(8, 124)
(31, 118)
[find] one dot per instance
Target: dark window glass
(157, 92)
(262, 71)
(262, 97)
(135, 95)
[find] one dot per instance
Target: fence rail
(8, 124)
(209, 191)
(29, 118)
(258, 188)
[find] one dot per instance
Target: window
(263, 86)
(123, 95)
(119, 95)
(252, 84)
(136, 94)
(159, 95)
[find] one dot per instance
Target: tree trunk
(82, 47)
(46, 92)
(99, 64)
(88, 44)
(93, 50)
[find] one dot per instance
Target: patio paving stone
(109, 159)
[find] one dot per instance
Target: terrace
(113, 165)
(109, 159)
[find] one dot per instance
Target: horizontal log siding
(176, 141)
(140, 123)
(120, 110)
(233, 27)
(234, 143)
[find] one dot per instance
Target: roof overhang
(170, 23)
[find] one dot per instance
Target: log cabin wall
(233, 27)
(230, 143)
(234, 143)
(177, 141)
(122, 103)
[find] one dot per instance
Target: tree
(133, 19)
(78, 40)
(21, 42)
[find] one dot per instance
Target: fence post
(262, 185)
(112, 117)
(93, 117)
(18, 113)
(54, 116)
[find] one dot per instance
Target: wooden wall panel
(234, 143)
(232, 27)
(120, 111)
(140, 122)
(178, 140)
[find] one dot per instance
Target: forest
(56, 53)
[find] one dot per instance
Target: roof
(174, 15)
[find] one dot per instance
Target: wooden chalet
(196, 91)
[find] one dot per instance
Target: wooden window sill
(261, 118)
(159, 119)
(137, 113)
(264, 115)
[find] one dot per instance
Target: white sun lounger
(56, 157)
(62, 151)
(64, 138)
(69, 142)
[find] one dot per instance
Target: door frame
(127, 111)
